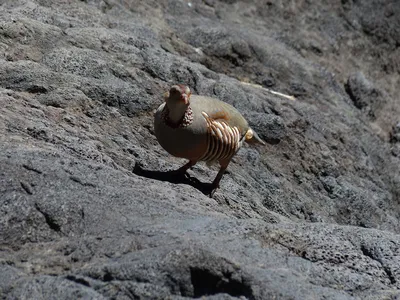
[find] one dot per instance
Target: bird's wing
(222, 112)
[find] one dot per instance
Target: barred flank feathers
(223, 141)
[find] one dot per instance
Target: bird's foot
(179, 173)
(211, 195)
(182, 171)
(213, 189)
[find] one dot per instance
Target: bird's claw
(213, 190)
(211, 195)
(179, 173)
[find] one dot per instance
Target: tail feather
(252, 137)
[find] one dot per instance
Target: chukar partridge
(201, 128)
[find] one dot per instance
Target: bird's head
(179, 95)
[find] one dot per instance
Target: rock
(47, 287)
(395, 134)
(364, 95)
(87, 209)
(271, 128)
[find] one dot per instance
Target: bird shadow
(174, 177)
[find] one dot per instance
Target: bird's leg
(215, 184)
(182, 170)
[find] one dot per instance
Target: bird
(201, 128)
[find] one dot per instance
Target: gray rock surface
(86, 210)
(365, 95)
(395, 135)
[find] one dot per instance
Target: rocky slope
(85, 211)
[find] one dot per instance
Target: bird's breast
(188, 142)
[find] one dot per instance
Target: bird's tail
(252, 137)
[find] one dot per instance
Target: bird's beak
(185, 98)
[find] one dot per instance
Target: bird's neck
(178, 117)
(176, 112)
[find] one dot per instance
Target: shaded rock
(365, 95)
(47, 287)
(269, 127)
(384, 24)
(395, 134)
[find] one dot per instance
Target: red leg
(215, 184)
(184, 168)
